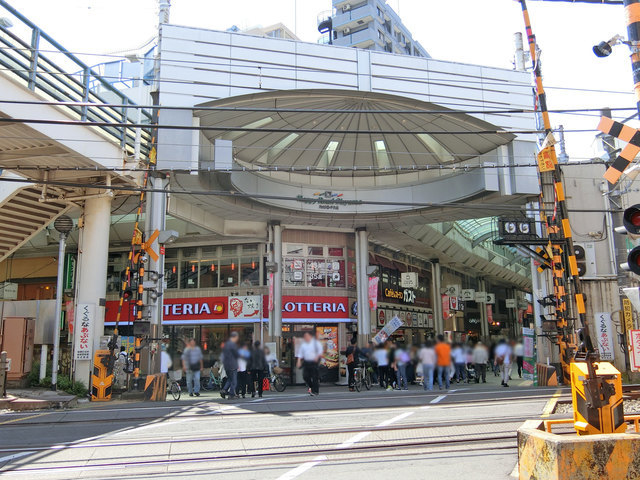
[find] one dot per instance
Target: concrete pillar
(484, 321)
(93, 254)
(277, 284)
(436, 280)
(362, 263)
(155, 219)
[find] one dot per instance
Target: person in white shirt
(427, 356)
(503, 358)
(479, 358)
(459, 357)
(308, 356)
(518, 352)
(381, 357)
(165, 360)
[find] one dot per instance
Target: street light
(63, 225)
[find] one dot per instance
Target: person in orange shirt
(443, 355)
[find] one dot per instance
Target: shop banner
(634, 349)
(627, 314)
(308, 308)
(529, 361)
(392, 325)
(373, 293)
(70, 313)
(328, 337)
(604, 335)
(83, 339)
(445, 306)
(271, 291)
(244, 308)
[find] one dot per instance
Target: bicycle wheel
(175, 390)
(357, 381)
(279, 384)
(206, 384)
(367, 380)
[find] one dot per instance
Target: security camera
(604, 49)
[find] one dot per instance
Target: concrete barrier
(546, 456)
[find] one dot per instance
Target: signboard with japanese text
(627, 315)
(373, 293)
(69, 279)
(634, 349)
(529, 360)
(545, 160)
(510, 302)
(391, 326)
(604, 335)
(467, 294)
(85, 315)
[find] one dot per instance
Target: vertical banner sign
(604, 335)
(489, 314)
(545, 160)
(373, 293)
(84, 320)
(70, 315)
(445, 306)
(634, 349)
(627, 315)
(271, 291)
(69, 277)
(529, 361)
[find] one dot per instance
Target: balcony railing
(46, 67)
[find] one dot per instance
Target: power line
(237, 194)
(498, 131)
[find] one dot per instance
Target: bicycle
(277, 381)
(361, 376)
(174, 385)
(212, 381)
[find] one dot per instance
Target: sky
(468, 31)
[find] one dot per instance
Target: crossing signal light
(631, 226)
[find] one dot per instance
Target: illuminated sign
(406, 295)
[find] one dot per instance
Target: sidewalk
(36, 399)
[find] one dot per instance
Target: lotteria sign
(211, 310)
(319, 309)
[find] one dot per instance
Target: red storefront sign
(307, 308)
(199, 310)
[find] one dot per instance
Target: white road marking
(425, 407)
(438, 399)
(300, 469)
(8, 458)
(355, 439)
(394, 419)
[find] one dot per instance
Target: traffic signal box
(597, 415)
(102, 378)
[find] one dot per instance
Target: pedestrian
(272, 359)
(401, 360)
(443, 361)
(391, 351)
(352, 358)
(518, 352)
(258, 366)
(230, 361)
(382, 359)
(459, 362)
(479, 358)
(165, 360)
(427, 356)
(192, 364)
(122, 361)
(308, 356)
(244, 356)
(503, 359)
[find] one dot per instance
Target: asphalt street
(466, 432)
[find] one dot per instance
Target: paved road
(467, 432)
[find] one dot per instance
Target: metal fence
(47, 68)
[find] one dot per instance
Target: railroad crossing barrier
(546, 456)
(547, 376)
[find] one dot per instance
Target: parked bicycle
(174, 378)
(213, 381)
(276, 381)
(362, 376)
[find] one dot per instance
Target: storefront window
(335, 252)
(228, 272)
(250, 272)
(315, 251)
(189, 274)
(316, 273)
(171, 274)
(294, 249)
(209, 273)
(294, 272)
(336, 273)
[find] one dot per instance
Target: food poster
(328, 336)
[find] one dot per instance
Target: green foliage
(64, 383)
